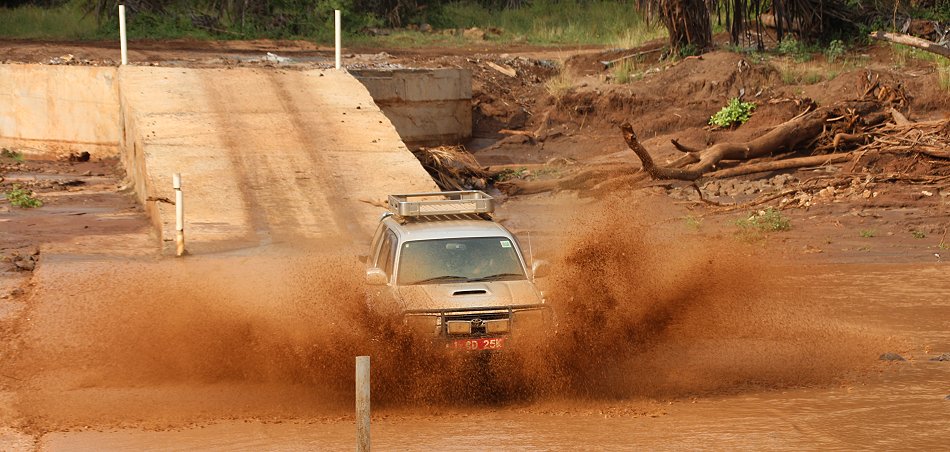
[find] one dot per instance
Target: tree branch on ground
(912, 41)
(794, 134)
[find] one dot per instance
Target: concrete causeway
(265, 155)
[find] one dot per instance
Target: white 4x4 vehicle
(454, 273)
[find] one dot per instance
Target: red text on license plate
(485, 343)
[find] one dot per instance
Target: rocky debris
(78, 157)
(273, 58)
(24, 263)
(70, 60)
(13, 293)
(65, 59)
(943, 357)
(890, 356)
(23, 259)
(738, 188)
(504, 69)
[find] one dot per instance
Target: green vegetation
(559, 85)
(544, 172)
(793, 48)
(636, 35)
(12, 155)
(755, 226)
(548, 22)
(576, 22)
(918, 234)
(625, 72)
(867, 233)
(835, 50)
(509, 174)
(752, 54)
(943, 74)
(32, 22)
(23, 198)
(688, 50)
(736, 112)
(805, 73)
(801, 77)
(767, 220)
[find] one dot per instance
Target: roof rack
(441, 203)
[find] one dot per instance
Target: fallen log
(912, 41)
(788, 136)
(778, 165)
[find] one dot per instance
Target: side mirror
(376, 277)
(540, 268)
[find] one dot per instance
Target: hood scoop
(469, 292)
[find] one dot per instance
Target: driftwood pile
(843, 132)
(453, 168)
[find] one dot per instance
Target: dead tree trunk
(687, 22)
(912, 41)
(788, 136)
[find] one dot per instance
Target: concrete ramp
(265, 155)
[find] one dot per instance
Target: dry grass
(795, 73)
(816, 71)
(943, 74)
(559, 85)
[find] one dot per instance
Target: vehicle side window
(387, 253)
(374, 247)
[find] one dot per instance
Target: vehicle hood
(468, 295)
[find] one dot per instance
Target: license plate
(487, 343)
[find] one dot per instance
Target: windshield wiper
(441, 278)
(496, 277)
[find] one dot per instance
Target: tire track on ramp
(280, 178)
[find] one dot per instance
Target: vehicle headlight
(531, 320)
(424, 324)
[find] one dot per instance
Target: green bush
(835, 50)
(794, 48)
(736, 112)
(12, 155)
(767, 220)
(24, 198)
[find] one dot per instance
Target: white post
(362, 404)
(123, 45)
(336, 20)
(179, 215)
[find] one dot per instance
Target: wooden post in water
(362, 404)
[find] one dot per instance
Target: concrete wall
(51, 111)
(427, 106)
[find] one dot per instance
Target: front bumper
(489, 322)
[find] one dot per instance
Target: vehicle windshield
(468, 259)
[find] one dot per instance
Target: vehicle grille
(477, 324)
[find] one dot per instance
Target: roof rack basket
(441, 203)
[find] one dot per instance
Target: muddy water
(897, 405)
